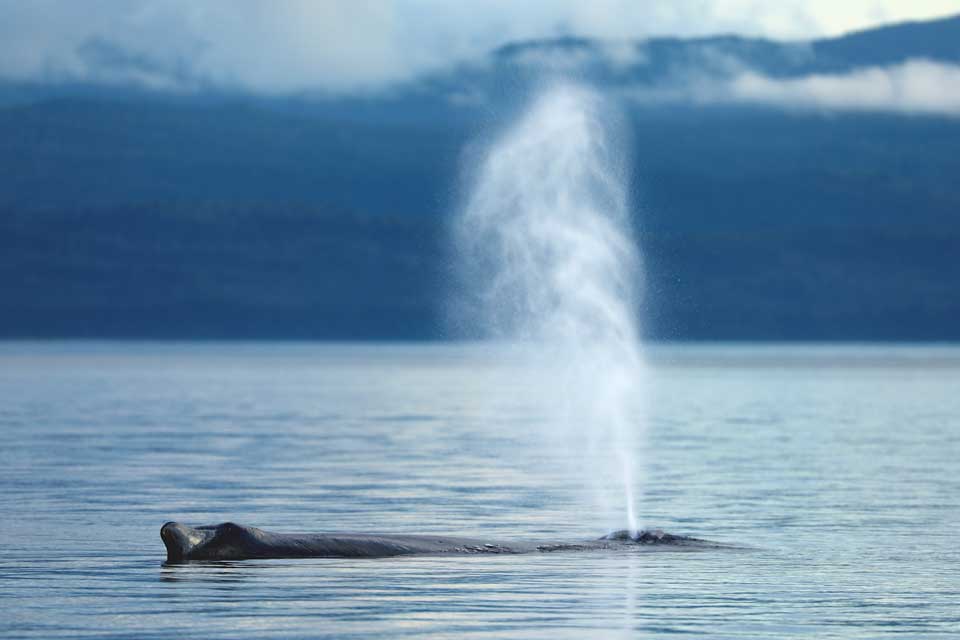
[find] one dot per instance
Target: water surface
(840, 466)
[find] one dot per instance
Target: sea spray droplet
(547, 260)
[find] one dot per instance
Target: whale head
(182, 541)
(212, 542)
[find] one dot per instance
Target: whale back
(655, 536)
(231, 541)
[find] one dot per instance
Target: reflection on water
(839, 466)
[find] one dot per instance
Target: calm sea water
(839, 466)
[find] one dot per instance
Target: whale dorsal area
(231, 541)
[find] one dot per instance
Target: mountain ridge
(139, 214)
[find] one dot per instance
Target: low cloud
(348, 46)
(915, 86)
(912, 87)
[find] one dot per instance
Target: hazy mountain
(129, 212)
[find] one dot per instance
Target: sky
(343, 46)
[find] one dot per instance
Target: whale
(231, 541)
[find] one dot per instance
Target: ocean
(835, 467)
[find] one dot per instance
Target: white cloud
(350, 45)
(913, 87)
(916, 86)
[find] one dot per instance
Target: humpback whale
(229, 541)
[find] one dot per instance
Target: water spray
(548, 261)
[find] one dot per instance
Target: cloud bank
(920, 87)
(915, 86)
(359, 45)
